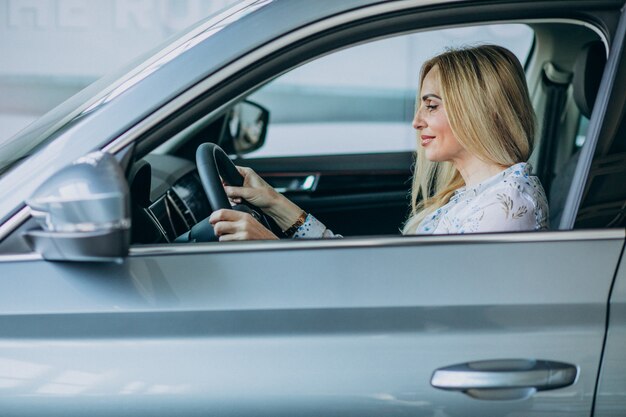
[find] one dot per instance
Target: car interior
(366, 194)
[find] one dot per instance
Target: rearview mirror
(83, 211)
(245, 128)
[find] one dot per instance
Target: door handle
(295, 183)
(504, 379)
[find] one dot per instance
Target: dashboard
(167, 199)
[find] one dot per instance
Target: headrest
(587, 75)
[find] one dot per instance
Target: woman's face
(431, 121)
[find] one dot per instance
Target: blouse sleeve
(507, 210)
(312, 229)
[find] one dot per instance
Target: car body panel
(318, 331)
(610, 399)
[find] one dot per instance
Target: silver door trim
(14, 222)
(21, 257)
(352, 243)
(377, 242)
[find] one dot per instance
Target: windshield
(40, 133)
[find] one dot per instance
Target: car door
(609, 401)
(337, 327)
(313, 328)
(351, 326)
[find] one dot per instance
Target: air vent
(182, 209)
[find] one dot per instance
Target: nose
(418, 120)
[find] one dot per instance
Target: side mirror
(84, 212)
(244, 128)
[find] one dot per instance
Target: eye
(431, 107)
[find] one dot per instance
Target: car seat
(588, 70)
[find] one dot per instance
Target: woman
(475, 128)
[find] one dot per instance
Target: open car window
(339, 139)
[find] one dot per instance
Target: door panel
(610, 399)
(353, 195)
(329, 328)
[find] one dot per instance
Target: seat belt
(555, 84)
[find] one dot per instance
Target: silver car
(114, 300)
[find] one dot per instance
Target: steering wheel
(212, 162)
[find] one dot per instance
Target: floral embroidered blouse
(512, 200)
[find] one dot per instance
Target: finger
(225, 215)
(232, 237)
(238, 192)
(243, 170)
(225, 228)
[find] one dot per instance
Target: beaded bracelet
(294, 227)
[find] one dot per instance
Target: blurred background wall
(51, 49)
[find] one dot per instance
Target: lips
(426, 139)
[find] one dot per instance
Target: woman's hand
(254, 190)
(237, 225)
(258, 192)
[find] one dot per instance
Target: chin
(434, 157)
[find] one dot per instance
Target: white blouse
(511, 200)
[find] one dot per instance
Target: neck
(474, 170)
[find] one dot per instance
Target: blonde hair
(486, 99)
